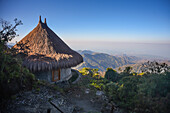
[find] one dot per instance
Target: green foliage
(13, 97)
(50, 99)
(111, 90)
(95, 72)
(153, 84)
(13, 74)
(74, 76)
(85, 71)
(38, 90)
(8, 31)
(57, 88)
(13, 77)
(127, 91)
(90, 72)
(41, 82)
(128, 70)
(111, 74)
(119, 69)
(11, 68)
(149, 93)
(99, 84)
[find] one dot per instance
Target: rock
(78, 95)
(99, 93)
(92, 100)
(30, 102)
(106, 108)
(155, 67)
(61, 101)
(63, 84)
(87, 91)
(77, 109)
(104, 98)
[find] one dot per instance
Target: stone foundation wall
(65, 74)
(44, 75)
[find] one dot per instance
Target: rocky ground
(155, 67)
(58, 98)
(38, 101)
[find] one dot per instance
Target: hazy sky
(144, 21)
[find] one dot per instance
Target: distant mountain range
(102, 60)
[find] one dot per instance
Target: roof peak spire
(40, 19)
(45, 21)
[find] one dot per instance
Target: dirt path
(84, 101)
(85, 105)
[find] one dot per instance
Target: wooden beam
(59, 74)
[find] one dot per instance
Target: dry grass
(47, 51)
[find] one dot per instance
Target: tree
(128, 70)
(13, 77)
(8, 31)
(111, 74)
(119, 69)
(127, 90)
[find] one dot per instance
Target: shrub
(111, 74)
(13, 77)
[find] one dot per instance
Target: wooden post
(59, 74)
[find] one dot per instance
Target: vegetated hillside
(137, 67)
(102, 61)
(131, 92)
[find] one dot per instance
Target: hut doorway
(55, 75)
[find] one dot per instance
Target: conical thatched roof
(46, 50)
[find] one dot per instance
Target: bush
(149, 93)
(74, 76)
(13, 77)
(111, 74)
(138, 93)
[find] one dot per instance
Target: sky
(84, 24)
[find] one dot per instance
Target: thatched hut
(49, 58)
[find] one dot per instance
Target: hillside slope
(102, 61)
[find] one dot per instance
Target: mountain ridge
(103, 60)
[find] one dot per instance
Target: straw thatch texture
(46, 50)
